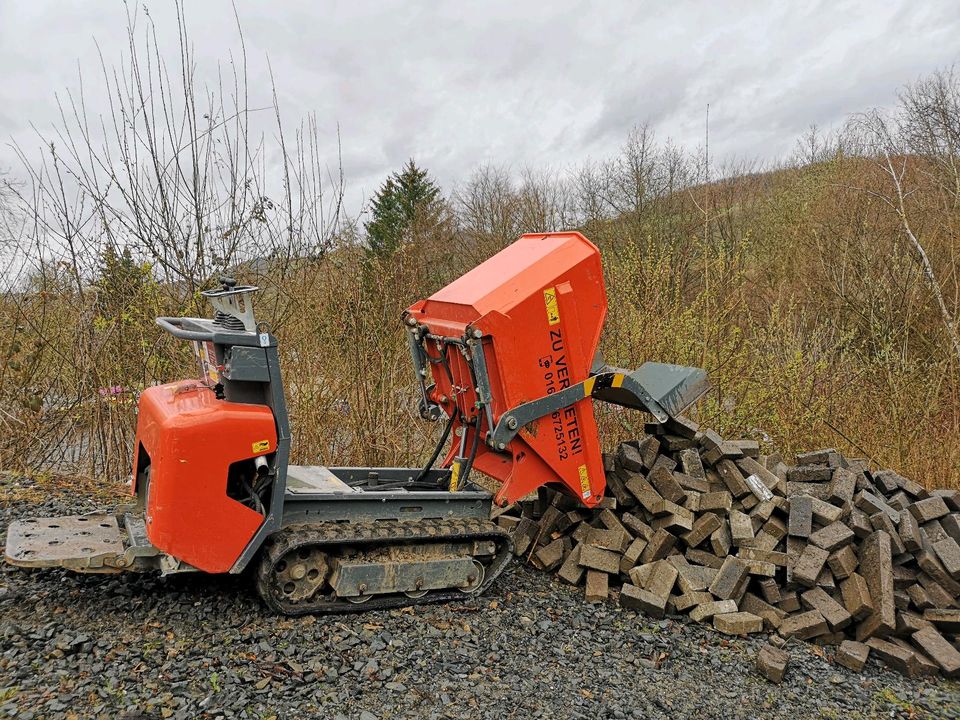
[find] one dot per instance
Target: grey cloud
(544, 85)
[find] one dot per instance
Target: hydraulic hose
(437, 450)
(468, 466)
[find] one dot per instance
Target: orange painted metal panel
(540, 304)
(192, 438)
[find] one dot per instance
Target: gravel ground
(75, 646)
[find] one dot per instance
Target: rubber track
(373, 536)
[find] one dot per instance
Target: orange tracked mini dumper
(505, 356)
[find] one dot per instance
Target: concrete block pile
(824, 550)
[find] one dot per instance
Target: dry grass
(794, 288)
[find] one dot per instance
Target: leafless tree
(884, 137)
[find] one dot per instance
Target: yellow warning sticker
(553, 309)
(584, 481)
(588, 386)
(454, 476)
(261, 446)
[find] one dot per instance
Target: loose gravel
(74, 646)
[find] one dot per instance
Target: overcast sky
(547, 84)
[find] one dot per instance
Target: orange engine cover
(191, 439)
(540, 305)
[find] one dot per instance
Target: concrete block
(772, 663)
(631, 556)
(594, 558)
(789, 601)
(750, 466)
(615, 540)
(580, 533)
(611, 521)
(741, 528)
(666, 484)
(946, 619)
(886, 481)
(523, 535)
(636, 526)
(684, 602)
(720, 540)
(728, 579)
(843, 562)
(833, 612)
(951, 525)
(842, 487)
(738, 623)
(597, 586)
(871, 504)
(948, 553)
(630, 457)
(900, 659)
(932, 566)
(938, 649)
(876, 566)
(859, 522)
(766, 556)
(853, 655)
(571, 570)
(749, 448)
(676, 523)
(661, 579)
(659, 546)
(919, 597)
(702, 557)
(950, 497)
(772, 616)
(803, 626)
(507, 522)
(639, 574)
(691, 464)
(758, 568)
(664, 461)
(639, 599)
(927, 666)
(763, 510)
(717, 501)
(833, 536)
(801, 516)
(856, 596)
(809, 564)
(770, 589)
(690, 483)
(938, 596)
(709, 609)
(703, 527)
(882, 521)
(815, 457)
(909, 622)
(732, 478)
(809, 473)
(933, 532)
(695, 578)
(933, 508)
(551, 555)
(824, 512)
(909, 532)
(913, 489)
(710, 439)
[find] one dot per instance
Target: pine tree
(408, 201)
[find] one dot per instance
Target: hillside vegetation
(819, 294)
